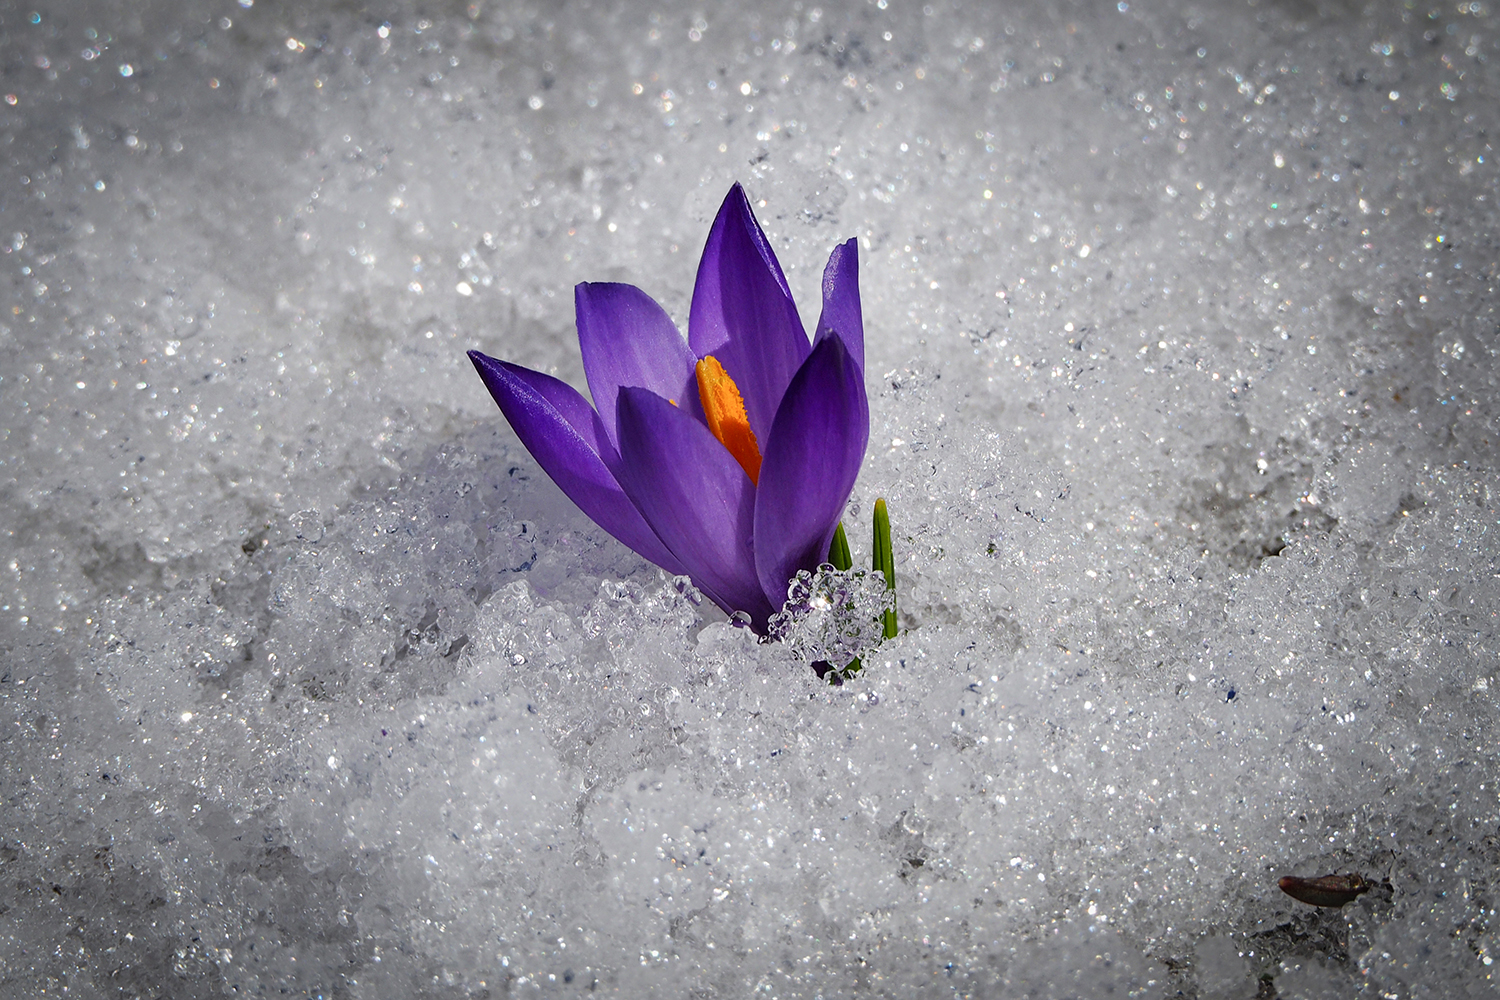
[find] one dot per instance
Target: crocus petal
(567, 439)
(841, 311)
(694, 495)
(811, 461)
(627, 339)
(743, 313)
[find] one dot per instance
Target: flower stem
(884, 560)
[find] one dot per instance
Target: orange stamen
(725, 409)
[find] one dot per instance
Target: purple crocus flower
(727, 456)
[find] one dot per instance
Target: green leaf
(884, 560)
(838, 549)
(840, 558)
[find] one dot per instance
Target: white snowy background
(1181, 324)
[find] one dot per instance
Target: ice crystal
(833, 615)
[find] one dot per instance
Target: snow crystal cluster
(1181, 334)
(833, 616)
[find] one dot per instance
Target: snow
(1181, 323)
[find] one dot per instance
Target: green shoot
(884, 560)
